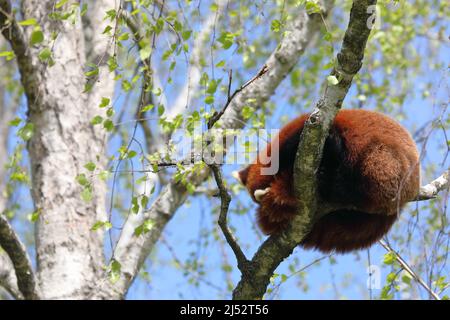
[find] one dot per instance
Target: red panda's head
(242, 175)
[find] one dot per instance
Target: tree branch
(8, 278)
(225, 203)
(132, 251)
(16, 251)
(194, 72)
(11, 30)
(431, 190)
(274, 250)
(409, 270)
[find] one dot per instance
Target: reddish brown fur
(369, 162)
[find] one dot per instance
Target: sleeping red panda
(369, 162)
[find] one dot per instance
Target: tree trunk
(69, 255)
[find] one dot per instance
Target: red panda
(369, 163)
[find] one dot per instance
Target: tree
(104, 87)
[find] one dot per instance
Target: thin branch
(193, 78)
(16, 251)
(408, 269)
(216, 116)
(276, 248)
(224, 205)
(431, 190)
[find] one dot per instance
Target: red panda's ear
(242, 175)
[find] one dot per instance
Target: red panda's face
(243, 175)
(251, 178)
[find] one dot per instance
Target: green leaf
(104, 174)
(406, 278)
(101, 224)
(161, 110)
(212, 87)
(60, 4)
(190, 188)
(35, 215)
(107, 30)
(84, 9)
(28, 22)
(92, 72)
(112, 64)
(145, 52)
(312, 7)
(123, 37)
(144, 201)
(86, 194)
(36, 37)
(111, 14)
(105, 102)
(220, 64)
(97, 225)
(45, 54)
(97, 120)
(248, 112)
(114, 273)
(209, 99)
(110, 112)
(166, 54)
(135, 205)
(27, 131)
(328, 37)
(389, 258)
(275, 26)
(328, 65)
(158, 27)
(108, 125)
(82, 179)
(19, 177)
(226, 39)
(126, 85)
(15, 122)
(131, 154)
(147, 108)
(145, 227)
(186, 34)
(90, 166)
(9, 55)
(391, 277)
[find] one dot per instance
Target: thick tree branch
(274, 250)
(132, 251)
(11, 30)
(8, 279)
(16, 251)
(99, 48)
(431, 190)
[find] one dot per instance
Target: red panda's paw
(281, 190)
(268, 225)
(273, 218)
(257, 185)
